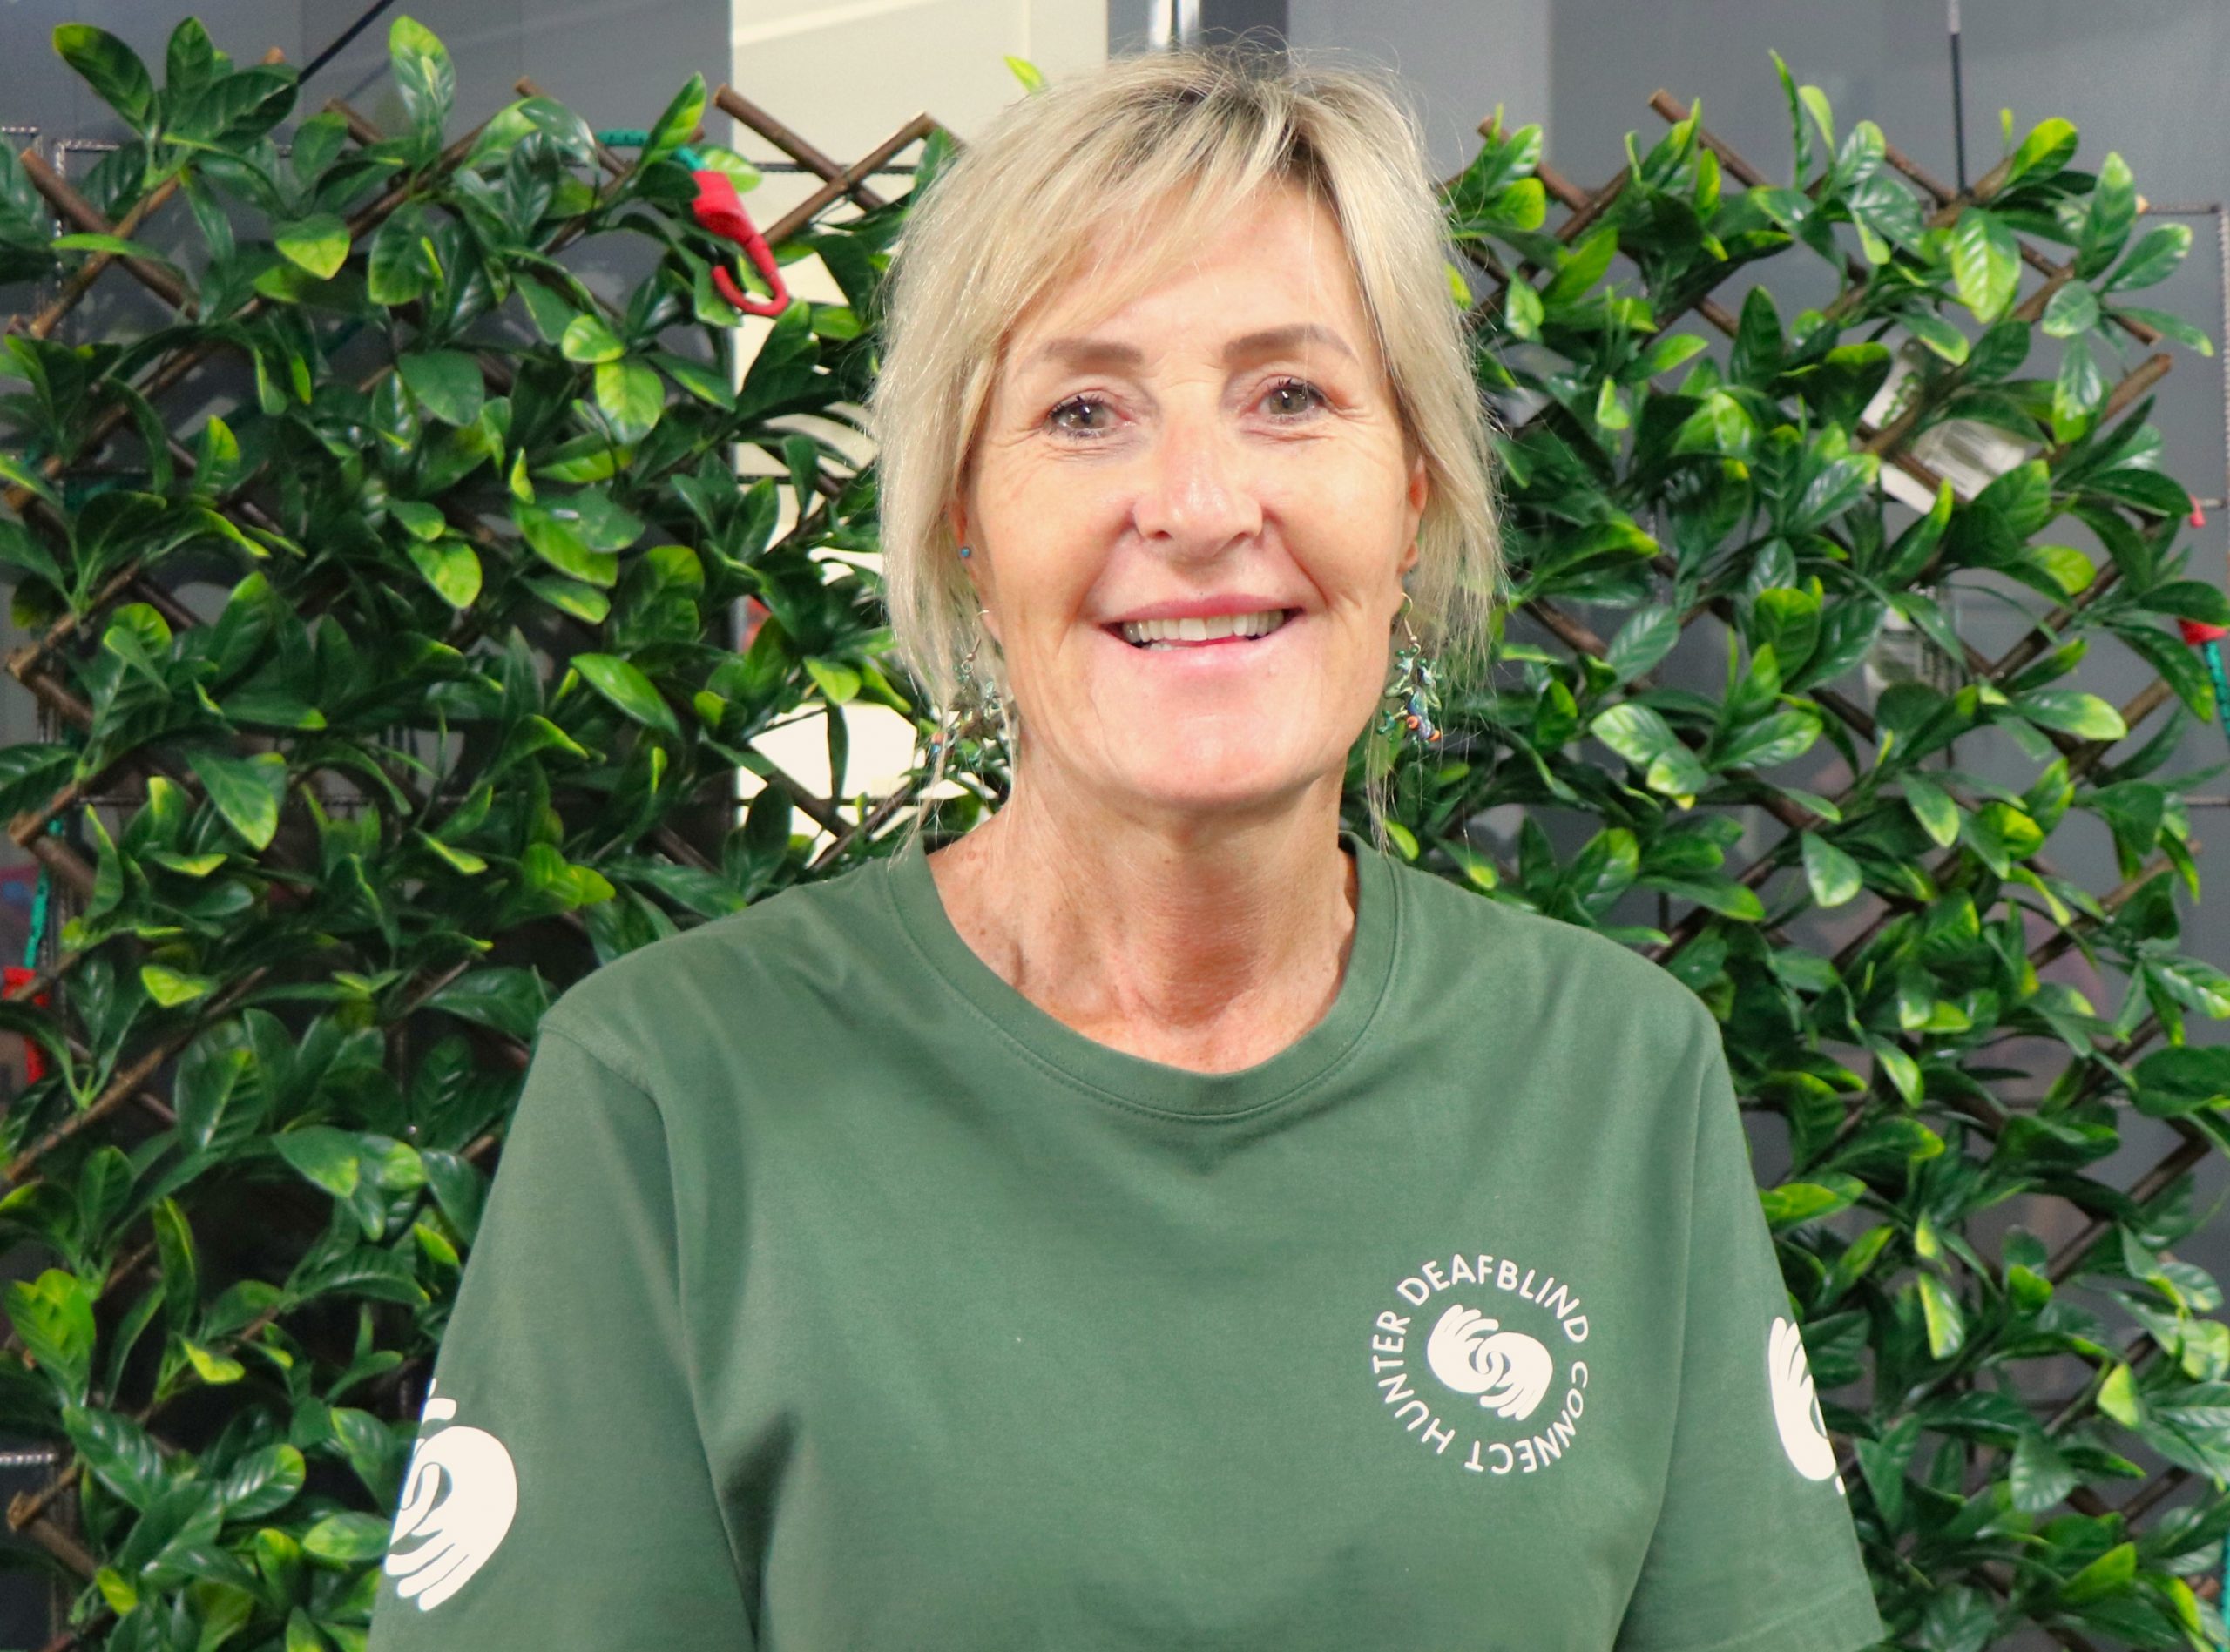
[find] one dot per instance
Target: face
(1222, 451)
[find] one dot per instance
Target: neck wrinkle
(1230, 940)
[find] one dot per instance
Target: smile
(1202, 630)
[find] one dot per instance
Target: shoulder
(688, 993)
(1553, 968)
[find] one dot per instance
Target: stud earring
(1414, 693)
(963, 552)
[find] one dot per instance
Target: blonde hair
(1149, 157)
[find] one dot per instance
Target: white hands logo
(1796, 1405)
(1509, 1371)
(457, 1502)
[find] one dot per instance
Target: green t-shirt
(831, 1296)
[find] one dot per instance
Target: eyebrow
(1079, 353)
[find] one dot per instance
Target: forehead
(1278, 258)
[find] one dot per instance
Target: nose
(1197, 494)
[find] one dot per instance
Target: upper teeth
(1200, 629)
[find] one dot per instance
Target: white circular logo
(1491, 1357)
(457, 1502)
(1508, 1370)
(1796, 1404)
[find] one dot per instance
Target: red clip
(2198, 630)
(2199, 515)
(719, 210)
(16, 975)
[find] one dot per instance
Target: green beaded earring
(980, 707)
(1413, 697)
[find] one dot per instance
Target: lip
(1204, 608)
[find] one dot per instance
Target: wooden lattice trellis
(1891, 443)
(35, 1515)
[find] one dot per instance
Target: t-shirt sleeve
(558, 1495)
(1753, 1548)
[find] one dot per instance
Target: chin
(1218, 781)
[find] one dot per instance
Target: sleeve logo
(457, 1502)
(1796, 1404)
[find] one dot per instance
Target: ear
(955, 516)
(1420, 491)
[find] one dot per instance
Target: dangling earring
(978, 706)
(1414, 693)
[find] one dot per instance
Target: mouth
(1151, 636)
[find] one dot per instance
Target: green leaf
(1032, 76)
(1985, 262)
(325, 1156)
(262, 1483)
(93, 241)
(2073, 309)
(2080, 386)
(558, 543)
(2108, 219)
(589, 339)
(1581, 266)
(447, 383)
(677, 124)
(346, 1539)
(583, 602)
(2182, 1079)
(2153, 259)
(247, 790)
(1521, 310)
(509, 999)
(423, 74)
(2071, 711)
(171, 987)
(1937, 335)
(318, 244)
(2175, 327)
(400, 267)
(1643, 737)
(1834, 875)
(1947, 1325)
(1647, 637)
(1792, 1202)
(2045, 152)
(111, 67)
(838, 683)
(2041, 1474)
(2110, 1573)
(451, 566)
(626, 686)
(2117, 1397)
(1932, 806)
(631, 395)
(53, 1316)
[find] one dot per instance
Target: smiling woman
(1338, 329)
(1157, 1218)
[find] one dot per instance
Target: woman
(1157, 1219)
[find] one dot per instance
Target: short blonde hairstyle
(1148, 158)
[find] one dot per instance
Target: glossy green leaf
(1985, 262)
(627, 688)
(318, 244)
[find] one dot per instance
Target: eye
(1307, 393)
(1084, 406)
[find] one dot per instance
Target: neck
(1212, 943)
